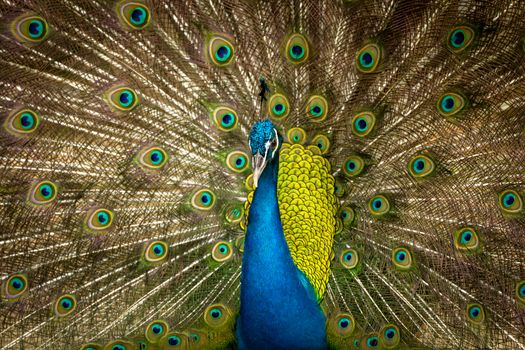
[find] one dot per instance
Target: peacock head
(264, 143)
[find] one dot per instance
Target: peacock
(248, 174)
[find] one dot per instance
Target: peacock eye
(65, 305)
(30, 29)
(274, 143)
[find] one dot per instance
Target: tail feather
(91, 153)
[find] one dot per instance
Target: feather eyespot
(402, 259)
(363, 124)
(122, 99)
(134, 15)
(339, 188)
(155, 330)
(296, 135)
(349, 259)
(22, 122)
(353, 166)
(29, 28)
(322, 142)
(203, 200)
(174, 340)
(379, 205)
(390, 336)
(43, 193)
(119, 344)
(317, 108)
(342, 324)
(196, 338)
(248, 183)
(91, 346)
(520, 291)
(99, 219)
(368, 58)
(220, 50)
(475, 313)
(152, 158)
(297, 50)
(233, 213)
(466, 240)
(451, 104)
(237, 161)
(225, 118)
(460, 38)
(510, 202)
(222, 251)
(278, 106)
(239, 243)
(156, 252)
(15, 287)
(372, 341)
(421, 166)
(347, 214)
(65, 305)
(217, 315)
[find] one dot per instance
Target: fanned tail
(124, 166)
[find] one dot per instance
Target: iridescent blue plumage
(279, 309)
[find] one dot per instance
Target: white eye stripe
(277, 142)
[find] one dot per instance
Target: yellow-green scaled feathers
(308, 205)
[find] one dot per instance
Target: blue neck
(278, 305)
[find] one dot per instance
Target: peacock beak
(258, 164)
